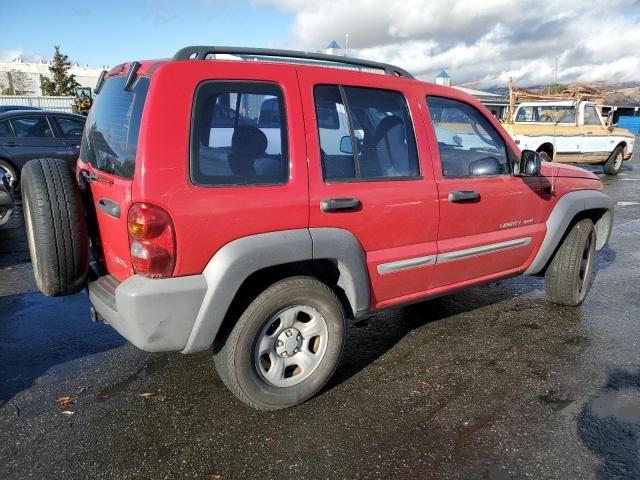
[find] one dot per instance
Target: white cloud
(479, 40)
(11, 55)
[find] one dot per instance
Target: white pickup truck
(570, 132)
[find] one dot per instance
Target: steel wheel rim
(7, 173)
(586, 265)
(291, 346)
(617, 163)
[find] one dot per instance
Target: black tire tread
(561, 277)
(224, 358)
(59, 226)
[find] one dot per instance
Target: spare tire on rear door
(56, 226)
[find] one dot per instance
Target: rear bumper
(156, 315)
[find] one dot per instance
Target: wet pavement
(490, 383)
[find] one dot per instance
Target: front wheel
(613, 165)
(285, 346)
(567, 278)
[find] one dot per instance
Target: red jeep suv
(253, 204)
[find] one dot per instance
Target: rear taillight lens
(151, 241)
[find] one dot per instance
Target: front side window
(591, 116)
(365, 133)
(31, 127)
(5, 129)
(70, 127)
(469, 145)
(239, 135)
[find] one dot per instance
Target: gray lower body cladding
(156, 315)
(186, 313)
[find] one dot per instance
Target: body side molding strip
(484, 249)
(407, 264)
(452, 256)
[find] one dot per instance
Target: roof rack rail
(201, 52)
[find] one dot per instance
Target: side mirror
(530, 164)
(345, 145)
(485, 167)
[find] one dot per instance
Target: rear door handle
(464, 196)
(109, 207)
(340, 205)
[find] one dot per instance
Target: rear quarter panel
(207, 218)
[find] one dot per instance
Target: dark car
(28, 134)
(8, 108)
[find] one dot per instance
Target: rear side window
(239, 135)
(365, 134)
(5, 129)
(70, 127)
(110, 140)
(32, 127)
(469, 146)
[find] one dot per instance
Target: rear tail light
(151, 241)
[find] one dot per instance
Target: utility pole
(346, 45)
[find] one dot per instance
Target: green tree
(62, 82)
(554, 88)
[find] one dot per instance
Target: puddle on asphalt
(623, 405)
(609, 425)
(123, 385)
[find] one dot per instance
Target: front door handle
(109, 207)
(340, 205)
(464, 196)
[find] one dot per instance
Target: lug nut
(288, 333)
(285, 354)
(299, 338)
(296, 350)
(280, 343)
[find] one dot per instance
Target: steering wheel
(482, 135)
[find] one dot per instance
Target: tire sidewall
(582, 286)
(610, 164)
(252, 323)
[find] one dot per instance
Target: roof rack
(201, 53)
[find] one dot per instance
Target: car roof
(38, 113)
(17, 107)
(559, 103)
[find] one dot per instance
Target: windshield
(111, 135)
(547, 114)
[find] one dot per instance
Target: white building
(26, 75)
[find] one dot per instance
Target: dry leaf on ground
(146, 394)
(65, 402)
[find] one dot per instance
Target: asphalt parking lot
(490, 383)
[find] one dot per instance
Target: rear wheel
(613, 165)
(56, 226)
(544, 156)
(285, 346)
(9, 170)
(569, 273)
(5, 215)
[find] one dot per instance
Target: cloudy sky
(483, 41)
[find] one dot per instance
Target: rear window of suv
(239, 135)
(110, 138)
